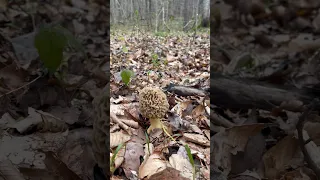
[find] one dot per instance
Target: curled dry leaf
(180, 108)
(168, 174)
(118, 138)
(152, 165)
(117, 109)
(313, 130)
(132, 158)
(293, 105)
(301, 173)
(199, 110)
(51, 123)
(181, 164)
(8, 171)
(11, 77)
(23, 149)
(279, 157)
(69, 115)
(230, 141)
(6, 121)
(252, 155)
(43, 121)
(197, 138)
(119, 157)
(77, 153)
(148, 150)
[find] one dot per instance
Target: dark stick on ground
(185, 90)
(237, 93)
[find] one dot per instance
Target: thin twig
(21, 86)
(114, 117)
(302, 143)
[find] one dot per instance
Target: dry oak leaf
(118, 138)
(230, 141)
(183, 165)
(119, 157)
(168, 174)
(279, 157)
(197, 138)
(152, 165)
(132, 158)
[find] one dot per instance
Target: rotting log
(239, 93)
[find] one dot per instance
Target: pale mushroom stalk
(153, 104)
(154, 124)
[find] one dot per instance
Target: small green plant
(136, 13)
(126, 76)
(121, 38)
(191, 161)
(113, 158)
(125, 49)
(51, 41)
(148, 142)
(166, 62)
(155, 60)
(161, 34)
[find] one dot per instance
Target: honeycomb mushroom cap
(153, 103)
(101, 125)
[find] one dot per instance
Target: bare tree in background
(164, 15)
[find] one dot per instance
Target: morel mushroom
(153, 104)
(101, 125)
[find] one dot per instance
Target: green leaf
(155, 57)
(113, 158)
(51, 41)
(72, 41)
(191, 160)
(50, 44)
(126, 76)
(148, 142)
(124, 49)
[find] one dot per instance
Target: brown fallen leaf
(279, 157)
(181, 164)
(152, 165)
(168, 174)
(132, 158)
(230, 141)
(197, 138)
(313, 130)
(8, 171)
(118, 138)
(54, 164)
(199, 110)
(120, 157)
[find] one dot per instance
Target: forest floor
(46, 120)
(269, 67)
(166, 62)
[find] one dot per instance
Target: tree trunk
(206, 13)
(185, 15)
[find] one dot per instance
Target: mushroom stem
(156, 123)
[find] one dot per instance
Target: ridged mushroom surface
(153, 103)
(101, 125)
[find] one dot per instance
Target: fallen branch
(21, 86)
(236, 93)
(185, 91)
(221, 120)
(115, 119)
